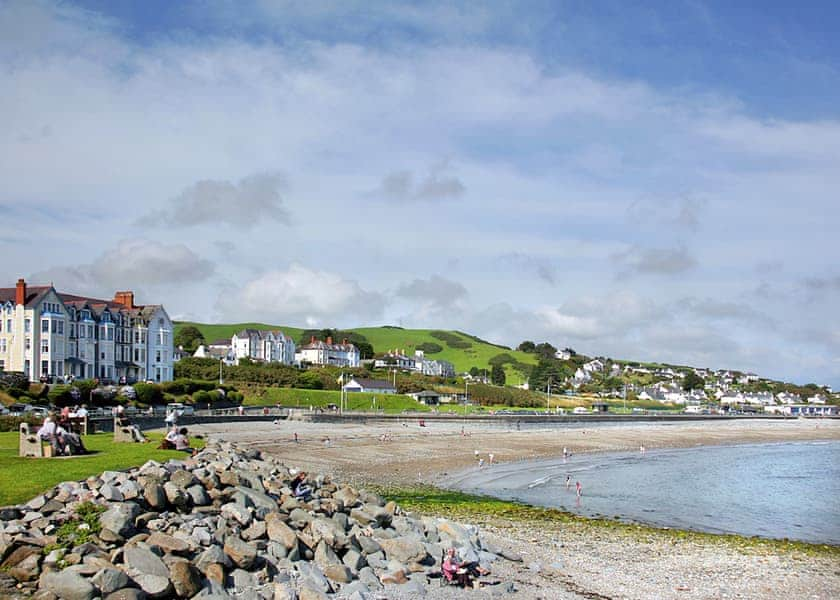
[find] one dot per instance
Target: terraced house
(46, 333)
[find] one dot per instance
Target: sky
(638, 180)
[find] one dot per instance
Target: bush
(430, 347)
(451, 340)
(61, 395)
(183, 386)
(201, 397)
(148, 393)
(309, 380)
(14, 383)
(236, 397)
(8, 423)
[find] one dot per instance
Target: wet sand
(565, 560)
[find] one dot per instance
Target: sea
(777, 490)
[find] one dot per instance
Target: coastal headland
(564, 557)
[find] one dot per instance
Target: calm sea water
(789, 490)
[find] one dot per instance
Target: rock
(279, 531)
(214, 554)
(229, 478)
(338, 573)
(167, 543)
(154, 495)
(258, 498)
(397, 576)
(284, 591)
(127, 594)
(182, 478)
(198, 495)
(324, 556)
(111, 493)
(175, 495)
(309, 591)
(329, 531)
(185, 578)
(413, 589)
(354, 560)
(241, 553)
(216, 572)
(110, 580)
(120, 518)
(243, 582)
(368, 544)
(28, 569)
(68, 586)
(299, 517)
(148, 570)
(311, 572)
(130, 490)
(51, 507)
(237, 512)
(404, 549)
(256, 531)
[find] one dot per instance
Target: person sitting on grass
(182, 442)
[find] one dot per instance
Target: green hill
(461, 349)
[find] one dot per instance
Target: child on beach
(578, 489)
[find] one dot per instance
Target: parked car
(127, 380)
(38, 411)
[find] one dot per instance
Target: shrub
(309, 380)
(451, 340)
(148, 393)
(8, 423)
(14, 383)
(201, 397)
(430, 347)
(236, 397)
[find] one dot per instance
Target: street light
(221, 362)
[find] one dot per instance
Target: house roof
(33, 294)
(426, 394)
(376, 384)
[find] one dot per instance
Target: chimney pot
(20, 292)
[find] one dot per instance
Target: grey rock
(120, 518)
(198, 495)
(130, 489)
(279, 531)
(111, 493)
(237, 512)
(312, 573)
(147, 569)
(175, 495)
(368, 544)
(405, 549)
(243, 581)
(154, 495)
(68, 585)
(354, 560)
(127, 594)
(185, 578)
(182, 478)
(110, 580)
(213, 554)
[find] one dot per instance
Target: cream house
(46, 333)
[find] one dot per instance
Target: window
(81, 331)
(45, 345)
(136, 355)
(2, 364)
(3, 345)
(157, 356)
(60, 327)
(111, 334)
(27, 325)
(102, 356)
(26, 367)
(8, 326)
(45, 367)
(27, 345)
(45, 326)
(90, 331)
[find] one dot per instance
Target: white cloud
(302, 296)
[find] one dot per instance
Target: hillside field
(469, 351)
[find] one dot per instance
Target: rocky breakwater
(223, 524)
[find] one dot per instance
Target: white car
(180, 409)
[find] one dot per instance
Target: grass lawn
(24, 478)
(294, 397)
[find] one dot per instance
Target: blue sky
(640, 180)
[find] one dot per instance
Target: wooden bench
(32, 445)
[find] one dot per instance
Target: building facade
(264, 346)
(46, 333)
(317, 352)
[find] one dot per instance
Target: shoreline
(566, 557)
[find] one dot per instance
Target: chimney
(329, 340)
(20, 292)
(124, 298)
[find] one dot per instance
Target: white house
(435, 368)
(396, 360)
(377, 386)
(317, 352)
(263, 345)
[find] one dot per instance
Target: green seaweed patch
(78, 530)
(486, 510)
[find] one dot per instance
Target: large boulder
(120, 518)
(68, 585)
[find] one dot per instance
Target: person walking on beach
(578, 489)
(490, 458)
(565, 453)
(296, 438)
(480, 463)
(568, 481)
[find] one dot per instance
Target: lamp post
(548, 398)
(221, 362)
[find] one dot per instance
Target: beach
(562, 559)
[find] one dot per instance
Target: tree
(497, 375)
(474, 371)
(571, 351)
(365, 350)
(189, 337)
(693, 381)
(545, 350)
(526, 346)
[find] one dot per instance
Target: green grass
(293, 397)
(485, 510)
(384, 339)
(24, 478)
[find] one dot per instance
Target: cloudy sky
(654, 180)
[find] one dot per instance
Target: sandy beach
(564, 560)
